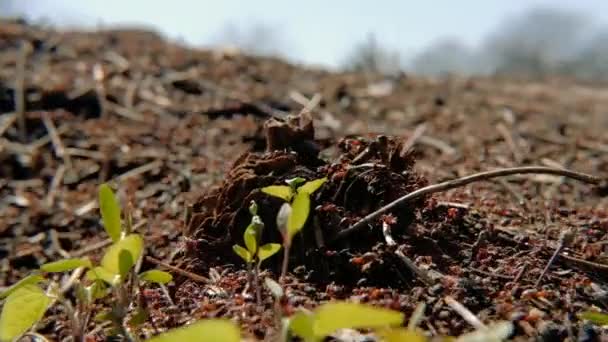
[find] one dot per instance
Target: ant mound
(367, 174)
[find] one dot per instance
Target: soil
(188, 137)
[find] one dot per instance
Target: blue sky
(313, 31)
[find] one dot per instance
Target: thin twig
(7, 121)
(413, 139)
(193, 276)
(565, 239)
(414, 269)
(55, 183)
(90, 248)
(100, 90)
(455, 183)
(465, 313)
(20, 89)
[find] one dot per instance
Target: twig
(438, 144)
(413, 139)
(386, 231)
(508, 137)
(178, 270)
(56, 140)
(465, 313)
(57, 179)
(413, 268)
(521, 272)
(20, 89)
(100, 90)
(7, 121)
(72, 280)
(57, 245)
(455, 183)
(90, 248)
(565, 239)
(417, 316)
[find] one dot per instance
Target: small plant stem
(564, 240)
(250, 277)
(257, 285)
(120, 311)
(455, 183)
(285, 263)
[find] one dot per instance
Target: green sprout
(209, 330)
(294, 213)
(26, 303)
(327, 318)
(254, 254)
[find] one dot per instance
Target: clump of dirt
(367, 174)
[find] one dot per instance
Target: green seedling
(327, 318)
(295, 211)
(254, 254)
(210, 330)
(26, 302)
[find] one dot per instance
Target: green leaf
(274, 288)
(30, 279)
(268, 250)
(294, 182)
(242, 252)
(156, 276)
(251, 238)
(110, 212)
(341, 315)
(594, 317)
(101, 274)
(125, 262)
(88, 294)
(300, 207)
(253, 208)
(133, 243)
(66, 265)
(302, 324)
(22, 309)
(281, 191)
(98, 289)
(312, 186)
(210, 330)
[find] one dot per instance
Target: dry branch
(455, 183)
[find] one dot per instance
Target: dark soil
(188, 138)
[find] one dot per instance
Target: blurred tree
(536, 42)
(369, 56)
(448, 55)
(591, 63)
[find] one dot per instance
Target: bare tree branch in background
(537, 42)
(370, 56)
(447, 56)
